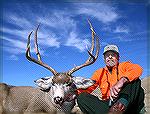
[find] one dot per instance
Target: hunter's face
(111, 59)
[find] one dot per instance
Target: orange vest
(105, 80)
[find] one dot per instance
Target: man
(119, 84)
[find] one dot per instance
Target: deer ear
(83, 83)
(44, 83)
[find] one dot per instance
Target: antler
(38, 61)
(91, 58)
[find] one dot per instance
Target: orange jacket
(106, 80)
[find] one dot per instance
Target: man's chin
(110, 65)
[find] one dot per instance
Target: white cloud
(15, 43)
(121, 29)
(50, 42)
(13, 57)
(16, 47)
(19, 21)
(107, 28)
(76, 42)
(14, 50)
(43, 37)
(60, 21)
(20, 33)
(104, 43)
(47, 39)
(123, 39)
(103, 12)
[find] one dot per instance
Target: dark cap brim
(112, 51)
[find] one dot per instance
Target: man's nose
(110, 56)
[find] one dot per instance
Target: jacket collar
(114, 67)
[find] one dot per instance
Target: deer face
(62, 88)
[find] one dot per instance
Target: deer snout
(58, 100)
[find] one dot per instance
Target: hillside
(146, 87)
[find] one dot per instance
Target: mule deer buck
(55, 94)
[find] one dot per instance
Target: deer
(55, 94)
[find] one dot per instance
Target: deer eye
(53, 83)
(68, 84)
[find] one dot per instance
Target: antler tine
(91, 27)
(39, 61)
(93, 33)
(36, 44)
(28, 48)
(91, 58)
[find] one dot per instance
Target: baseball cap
(111, 48)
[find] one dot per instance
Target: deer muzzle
(58, 100)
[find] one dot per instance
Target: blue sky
(64, 34)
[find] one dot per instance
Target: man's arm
(131, 71)
(115, 89)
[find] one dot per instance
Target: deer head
(60, 83)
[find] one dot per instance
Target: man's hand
(117, 108)
(115, 89)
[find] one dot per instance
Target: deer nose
(58, 100)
